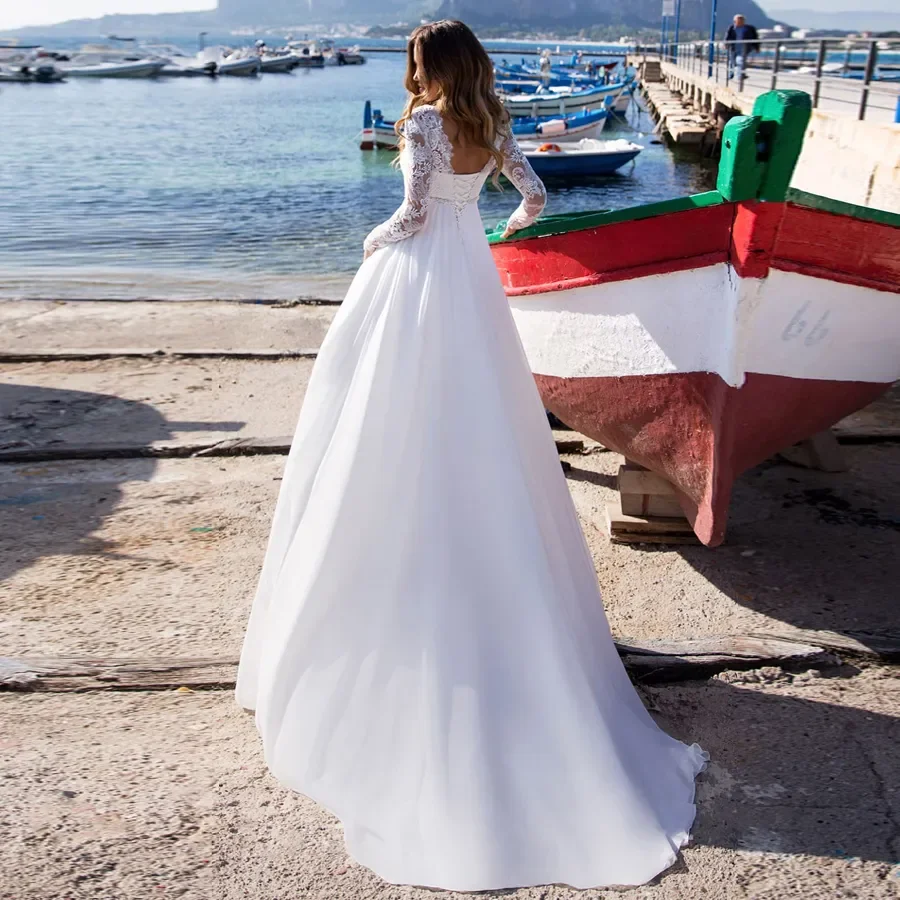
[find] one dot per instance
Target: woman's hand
(507, 233)
(367, 253)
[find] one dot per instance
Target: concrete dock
(123, 790)
(845, 158)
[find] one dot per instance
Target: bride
(427, 653)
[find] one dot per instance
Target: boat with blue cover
(581, 158)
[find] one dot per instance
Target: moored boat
(278, 63)
(379, 132)
(188, 68)
(573, 127)
(376, 130)
(699, 336)
(32, 73)
(178, 64)
(579, 158)
(238, 64)
(550, 102)
(308, 54)
(85, 66)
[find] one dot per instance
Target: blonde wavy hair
(460, 78)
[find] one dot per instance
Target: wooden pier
(859, 159)
(679, 118)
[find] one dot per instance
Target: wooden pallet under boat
(699, 336)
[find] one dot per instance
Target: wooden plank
(248, 446)
(665, 660)
(627, 529)
(63, 355)
(569, 445)
(881, 646)
(869, 434)
(650, 506)
(634, 480)
(653, 659)
(645, 494)
(821, 452)
(76, 675)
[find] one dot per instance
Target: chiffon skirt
(427, 652)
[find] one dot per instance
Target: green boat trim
(568, 222)
(839, 208)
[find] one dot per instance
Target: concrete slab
(35, 326)
(132, 557)
(128, 796)
(153, 401)
(160, 557)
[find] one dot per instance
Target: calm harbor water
(228, 188)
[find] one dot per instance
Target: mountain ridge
(593, 13)
(517, 15)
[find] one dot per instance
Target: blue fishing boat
(378, 132)
(552, 101)
(574, 127)
(513, 77)
(582, 158)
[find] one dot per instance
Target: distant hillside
(577, 14)
(241, 13)
(852, 20)
(168, 25)
(516, 15)
(248, 12)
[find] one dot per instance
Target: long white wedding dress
(427, 654)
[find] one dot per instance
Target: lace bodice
(429, 177)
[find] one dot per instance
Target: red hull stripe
(663, 268)
(840, 248)
(784, 265)
(752, 236)
(617, 252)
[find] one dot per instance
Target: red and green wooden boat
(699, 336)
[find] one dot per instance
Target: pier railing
(858, 76)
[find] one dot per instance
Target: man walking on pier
(742, 40)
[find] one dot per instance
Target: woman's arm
(411, 215)
(534, 195)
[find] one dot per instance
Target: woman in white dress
(427, 653)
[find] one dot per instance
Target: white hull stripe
(711, 320)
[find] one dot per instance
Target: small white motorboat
(343, 56)
(188, 68)
(84, 66)
(28, 65)
(31, 73)
(178, 64)
(234, 62)
(278, 63)
(309, 55)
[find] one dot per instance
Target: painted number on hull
(799, 323)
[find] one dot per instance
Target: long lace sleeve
(420, 131)
(518, 170)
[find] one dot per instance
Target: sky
(45, 12)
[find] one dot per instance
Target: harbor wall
(843, 158)
(856, 162)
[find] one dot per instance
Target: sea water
(233, 187)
